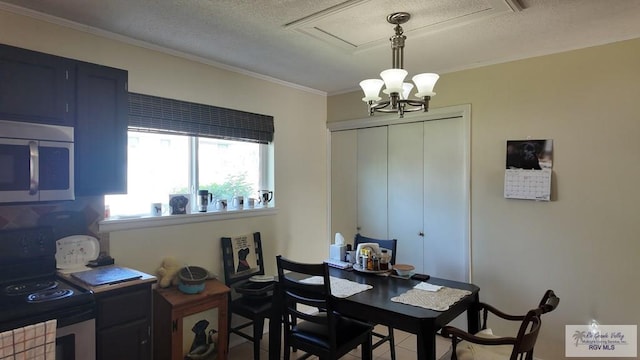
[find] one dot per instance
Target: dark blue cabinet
(101, 130)
(36, 87)
(43, 88)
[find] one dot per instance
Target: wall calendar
(528, 169)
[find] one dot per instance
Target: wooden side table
(170, 306)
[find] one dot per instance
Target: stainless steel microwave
(36, 162)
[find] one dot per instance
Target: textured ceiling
(330, 45)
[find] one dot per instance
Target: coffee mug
(237, 202)
(156, 209)
(221, 204)
(251, 202)
(265, 197)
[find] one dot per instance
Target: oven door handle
(34, 166)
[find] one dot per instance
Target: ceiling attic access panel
(358, 25)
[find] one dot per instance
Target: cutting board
(108, 275)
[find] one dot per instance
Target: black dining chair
(390, 245)
(465, 345)
(324, 333)
(242, 259)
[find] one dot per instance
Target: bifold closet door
(372, 182)
(344, 177)
(428, 211)
(446, 213)
(405, 176)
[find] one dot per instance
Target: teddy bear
(167, 272)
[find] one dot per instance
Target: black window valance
(157, 114)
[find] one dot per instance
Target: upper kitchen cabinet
(43, 88)
(101, 130)
(36, 87)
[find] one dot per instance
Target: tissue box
(337, 252)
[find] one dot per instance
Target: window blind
(163, 115)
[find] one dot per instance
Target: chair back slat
(531, 324)
(305, 294)
(527, 334)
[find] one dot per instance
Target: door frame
(457, 111)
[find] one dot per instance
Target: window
(179, 147)
(164, 164)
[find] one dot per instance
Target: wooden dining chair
(390, 245)
(242, 259)
(324, 333)
(485, 344)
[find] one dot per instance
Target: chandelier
(393, 79)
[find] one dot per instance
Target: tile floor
(405, 348)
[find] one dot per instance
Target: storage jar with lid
(384, 260)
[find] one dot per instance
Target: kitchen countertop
(144, 278)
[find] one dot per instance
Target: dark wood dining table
(375, 304)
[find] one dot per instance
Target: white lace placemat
(341, 288)
(439, 300)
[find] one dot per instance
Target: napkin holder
(375, 248)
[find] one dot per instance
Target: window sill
(116, 224)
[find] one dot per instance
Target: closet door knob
(421, 234)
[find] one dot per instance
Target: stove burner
(49, 295)
(30, 287)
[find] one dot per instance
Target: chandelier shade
(425, 83)
(406, 90)
(393, 80)
(371, 88)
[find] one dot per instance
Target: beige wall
(583, 244)
(300, 150)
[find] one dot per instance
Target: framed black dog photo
(179, 204)
(529, 154)
(528, 169)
